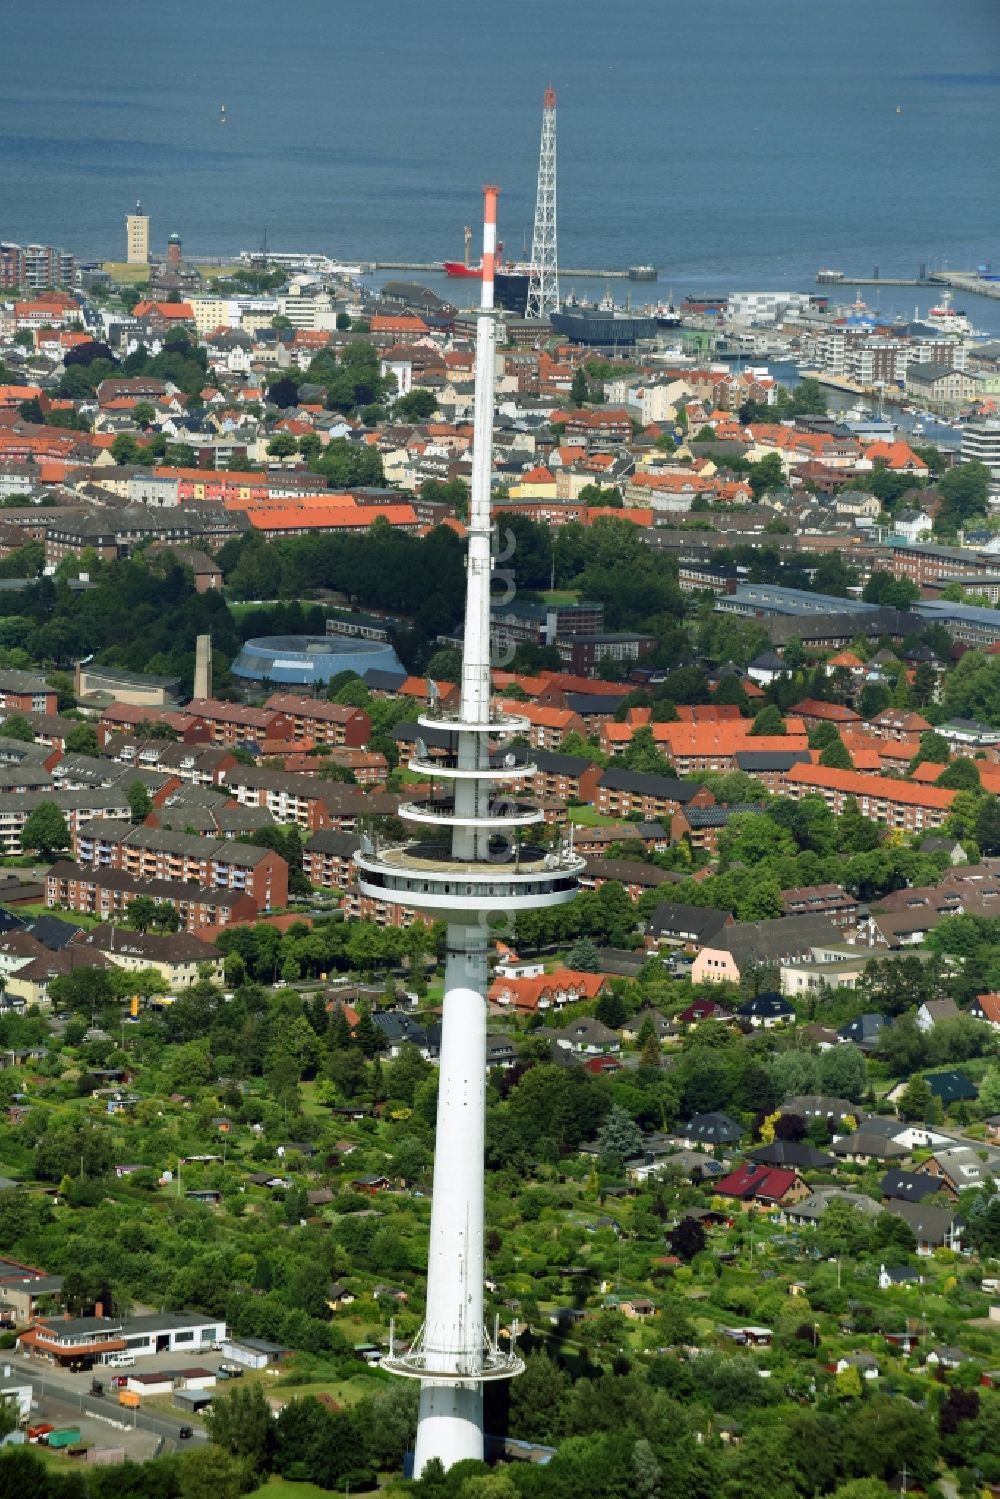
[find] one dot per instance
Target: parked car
(185, 1432)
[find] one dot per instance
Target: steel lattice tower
(543, 293)
(469, 862)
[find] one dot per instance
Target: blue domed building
(309, 660)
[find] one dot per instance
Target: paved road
(104, 1408)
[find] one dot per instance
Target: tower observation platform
(474, 856)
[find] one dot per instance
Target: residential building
(235, 723)
(107, 804)
(743, 946)
(180, 959)
(986, 1008)
(673, 925)
(939, 384)
(765, 1186)
(547, 991)
(823, 900)
(622, 793)
(153, 853)
(898, 804)
(108, 893)
(24, 692)
(328, 859)
(321, 722)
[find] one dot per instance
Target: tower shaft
(543, 291)
(468, 866)
(450, 1423)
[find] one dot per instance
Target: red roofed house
(766, 1186)
(704, 1009)
(321, 722)
(896, 803)
(813, 712)
(897, 456)
(232, 723)
(599, 426)
(158, 316)
(549, 991)
(986, 1007)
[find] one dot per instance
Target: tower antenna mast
(543, 290)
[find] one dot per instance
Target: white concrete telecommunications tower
(466, 863)
(543, 289)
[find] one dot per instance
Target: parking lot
(103, 1430)
(65, 1399)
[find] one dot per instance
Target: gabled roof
(987, 1007)
(753, 1180)
(906, 1186)
(696, 923)
(781, 937)
(931, 1224)
(768, 1005)
(952, 1086)
(793, 1153)
(714, 1128)
(642, 784)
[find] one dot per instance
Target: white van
(120, 1360)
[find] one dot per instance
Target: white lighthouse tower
(469, 860)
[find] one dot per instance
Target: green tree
(140, 802)
(582, 956)
(933, 747)
(767, 475)
(960, 775)
(415, 406)
(646, 1470)
(17, 727)
(239, 1421)
(915, 1100)
(965, 489)
(126, 450)
(987, 832)
(144, 414)
(837, 756)
(620, 1137)
(45, 830)
(82, 740)
(642, 754)
(579, 390)
(610, 1010)
(768, 721)
(213, 1474)
(537, 1397)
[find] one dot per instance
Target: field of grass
(586, 817)
(216, 272)
(125, 274)
(75, 918)
(560, 595)
(239, 607)
(283, 1486)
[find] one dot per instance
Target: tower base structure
(450, 1425)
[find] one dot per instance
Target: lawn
(124, 274)
(276, 1485)
(586, 817)
(74, 918)
(239, 607)
(560, 595)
